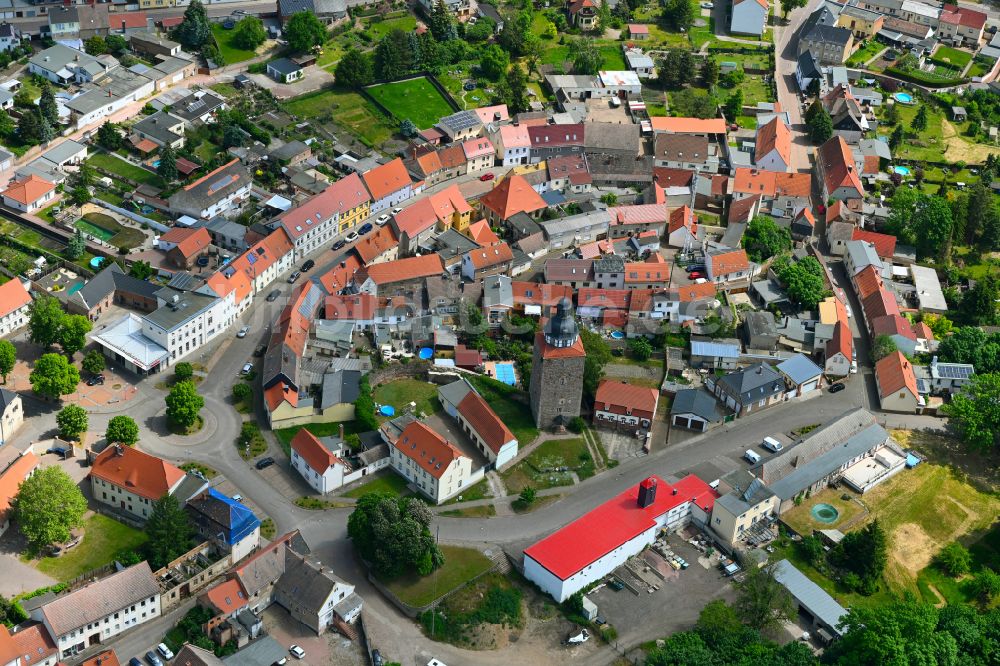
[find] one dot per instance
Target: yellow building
(863, 23)
(747, 503)
(351, 199)
(156, 4)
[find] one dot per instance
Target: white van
(751, 457)
(771, 444)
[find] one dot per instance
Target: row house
(548, 141)
(131, 481)
(627, 221)
(430, 462)
(773, 146)
(484, 262)
(682, 228)
(961, 25)
(511, 196)
(727, 266)
(398, 277)
(479, 422)
(781, 194)
(479, 154)
(442, 210)
(605, 307)
(569, 174)
(380, 245)
(316, 221)
(620, 404)
(389, 185)
(512, 144)
(836, 172)
(686, 151)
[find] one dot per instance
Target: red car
(487, 176)
(694, 275)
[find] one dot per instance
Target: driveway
(18, 577)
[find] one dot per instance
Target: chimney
(674, 492)
(647, 492)
(341, 432)
(760, 369)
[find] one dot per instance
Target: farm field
(416, 100)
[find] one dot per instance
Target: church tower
(557, 370)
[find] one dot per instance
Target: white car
(351, 237)
(382, 219)
(771, 444)
(297, 652)
(164, 651)
(397, 211)
(243, 332)
(707, 5)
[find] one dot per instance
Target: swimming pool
(903, 98)
(77, 286)
(505, 373)
(617, 335)
(901, 170)
(95, 231)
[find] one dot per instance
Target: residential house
(802, 375)
(28, 194)
(750, 389)
(10, 36)
(621, 404)
(226, 523)
(949, 377)
(773, 146)
(727, 266)
(15, 467)
(686, 151)
(198, 108)
(695, 409)
(453, 162)
(859, 255)
(15, 301)
(484, 262)
(77, 22)
(380, 245)
(803, 225)
(640, 63)
(389, 185)
(820, 35)
(637, 31)
(897, 384)
(849, 119)
(761, 330)
(782, 195)
(479, 422)
(512, 195)
(432, 463)
(715, 354)
(601, 140)
(839, 350)
(513, 144)
(317, 220)
(569, 174)
(183, 245)
(131, 480)
(327, 11)
(100, 610)
(626, 221)
(461, 126)
(484, 10)
(864, 23)
(214, 193)
(745, 503)
(63, 65)
(682, 228)
(398, 277)
(836, 172)
(149, 45)
(961, 25)
(583, 14)
(749, 17)
(479, 154)
(807, 71)
(318, 460)
(549, 141)
(162, 128)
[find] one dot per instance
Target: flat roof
(614, 523)
(126, 338)
(929, 292)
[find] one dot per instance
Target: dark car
(134, 661)
(616, 585)
(95, 380)
(836, 388)
(694, 267)
(153, 659)
(273, 296)
(260, 351)
(264, 463)
(339, 244)
(377, 658)
(308, 265)
(365, 228)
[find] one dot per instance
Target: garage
(690, 422)
(696, 409)
(801, 374)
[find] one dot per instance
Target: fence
(135, 217)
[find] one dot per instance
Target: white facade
(105, 628)
(772, 161)
(114, 104)
(394, 198)
(838, 365)
(122, 499)
(457, 476)
(14, 320)
(199, 330)
(327, 481)
(31, 206)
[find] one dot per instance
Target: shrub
(577, 424)
(183, 371)
(242, 392)
(955, 559)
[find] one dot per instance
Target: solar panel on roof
(252, 258)
(954, 371)
(260, 250)
(219, 184)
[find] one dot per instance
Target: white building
(214, 193)
(97, 612)
(29, 194)
(15, 301)
(513, 145)
(749, 17)
(132, 481)
(478, 420)
(597, 543)
(431, 463)
(62, 65)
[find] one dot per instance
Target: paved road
(784, 77)
(258, 7)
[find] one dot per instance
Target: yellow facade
(355, 216)
(461, 221)
(286, 416)
(155, 4)
(861, 27)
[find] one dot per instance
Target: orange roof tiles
(9, 651)
(429, 162)
(923, 331)
(880, 304)
(317, 456)
(533, 293)
(611, 394)
(13, 297)
(452, 156)
(374, 245)
(806, 214)
(490, 256)
(189, 241)
(35, 644)
(350, 307)
(729, 262)
(588, 297)
(837, 165)
(105, 657)
(28, 190)
(776, 136)
(11, 479)
(136, 471)
(278, 393)
(228, 597)
(885, 245)
(385, 179)
(894, 373)
(695, 292)
(482, 233)
(647, 271)
(401, 270)
(771, 183)
(682, 217)
(841, 341)
(689, 125)
(548, 351)
(344, 195)
(340, 275)
(429, 450)
(512, 195)
(484, 421)
(867, 282)
(893, 325)
(424, 213)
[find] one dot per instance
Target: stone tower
(557, 370)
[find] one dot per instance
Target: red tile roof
(548, 351)
(841, 341)
(682, 217)
(638, 29)
(667, 177)
(729, 262)
(689, 125)
(806, 214)
(740, 209)
(385, 179)
(484, 421)
(137, 472)
(9, 651)
(641, 214)
(600, 531)
(429, 450)
(621, 398)
(923, 331)
(317, 456)
(350, 307)
(189, 241)
(880, 304)
(867, 282)
(13, 297)
(278, 393)
(482, 233)
(401, 270)
(695, 292)
(647, 271)
(452, 156)
(374, 245)
(492, 255)
(533, 293)
(28, 190)
(340, 275)
(774, 135)
(11, 479)
(553, 136)
(512, 195)
(893, 325)
(587, 297)
(837, 165)
(894, 373)
(885, 245)
(228, 597)
(344, 195)
(103, 658)
(123, 20)
(963, 16)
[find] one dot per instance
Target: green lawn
(460, 566)
(478, 491)
(224, 89)
(515, 414)
(539, 470)
(103, 539)
(927, 145)
(416, 100)
(230, 53)
(755, 90)
(386, 482)
(379, 29)
(558, 54)
(285, 435)
(950, 57)
(401, 392)
(979, 68)
(125, 169)
(348, 109)
(865, 53)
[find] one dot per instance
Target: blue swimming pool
(901, 170)
(617, 335)
(903, 98)
(505, 373)
(77, 286)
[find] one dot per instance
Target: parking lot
(674, 607)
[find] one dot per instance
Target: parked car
(694, 267)
(153, 659)
(365, 228)
(293, 277)
(60, 549)
(134, 661)
(308, 265)
(837, 388)
(260, 351)
(771, 444)
(297, 652)
(351, 237)
(707, 5)
(95, 380)
(694, 275)
(242, 333)
(397, 211)
(273, 296)
(164, 651)
(751, 457)
(487, 176)
(383, 219)
(339, 244)
(264, 463)
(616, 585)
(377, 658)
(247, 369)
(237, 497)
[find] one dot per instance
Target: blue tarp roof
(242, 520)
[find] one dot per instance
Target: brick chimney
(647, 492)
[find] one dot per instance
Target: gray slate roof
(800, 369)
(757, 382)
(100, 599)
(339, 387)
(810, 595)
(455, 392)
(699, 402)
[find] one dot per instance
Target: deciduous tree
(494, 62)
(72, 421)
(764, 239)
(882, 347)
(8, 358)
(955, 559)
(249, 33)
(354, 70)
(393, 534)
(122, 430)
(710, 71)
(140, 270)
(73, 331)
(598, 356)
(304, 31)
(762, 602)
(93, 362)
(184, 404)
(639, 348)
(54, 376)
(45, 317)
(975, 412)
(47, 506)
(803, 281)
(587, 57)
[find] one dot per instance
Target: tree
(710, 71)
(77, 244)
(7, 125)
(169, 530)
(167, 168)
(116, 44)
(525, 499)
(803, 281)
(407, 128)
(883, 346)
(891, 114)
(93, 362)
(393, 57)
(109, 137)
(762, 602)
(8, 358)
(900, 632)
(516, 36)
(364, 407)
(95, 46)
(862, 553)
(734, 104)
(678, 13)
(242, 392)
(194, 31)
(639, 348)
(45, 317)
(304, 31)
(249, 33)
(441, 23)
(598, 356)
(72, 422)
(764, 239)
(517, 84)
(122, 430)
(587, 57)
(788, 5)
(985, 585)
(979, 304)
(11, 612)
(955, 559)
(47, 506)
(141, 270)
(45, 131)
(47, 105)
(932, 225)
(232, 136)
(494, 62)
(183, 405)
(393, 534)
(483, 29)
(73, 333)
(53, 376)
(29, 127)
(975, 412)
(919, 123)
(820, 127)
(354, 70)
(676, 69)
(183, 371)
